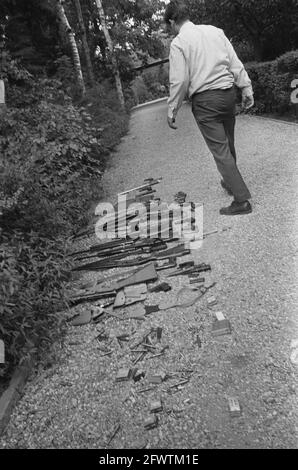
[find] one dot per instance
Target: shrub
(288, 63)
(49, 176)
(272, 83)
(51, 162)
(157, 81)
(32, 283)
(140, 91)
(108, 122)
(152, 84)
(51, 156)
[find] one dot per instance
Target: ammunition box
(151, 422)
(123, 375)
(220, 328)
(156, 406)
(234, 407)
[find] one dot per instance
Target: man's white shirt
(202, 58)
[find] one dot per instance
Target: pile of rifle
(143, 193)
(139, 251)
(110, 255)
(148, 255)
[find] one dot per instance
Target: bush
(52, 158)
(288, 63)
(272, 83)
(140, 91)
(102, 104)
(51, 161)
(49, 176)
(152, 84)
(32, 290)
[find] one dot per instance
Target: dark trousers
(214, 111)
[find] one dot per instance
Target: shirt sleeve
(241, 77)
(179, 79)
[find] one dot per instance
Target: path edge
(13, 392)
(149, 103)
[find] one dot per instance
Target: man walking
(204, 65)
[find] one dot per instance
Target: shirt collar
(185, 25)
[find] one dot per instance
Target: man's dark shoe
(237, 208)
(224, 186)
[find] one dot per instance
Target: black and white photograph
(148, 229)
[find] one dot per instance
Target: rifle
(175, 252)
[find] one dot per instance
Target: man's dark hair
(176, 10)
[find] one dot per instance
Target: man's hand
(247, 98)
(171, 122)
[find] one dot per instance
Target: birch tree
(113, 58)
(89, 66)
(74, 48)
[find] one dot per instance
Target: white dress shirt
(202, 58)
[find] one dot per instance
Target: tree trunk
(85, 42)
(74, 48)
(112, 54)
(2, 97)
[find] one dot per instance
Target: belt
(212, 89)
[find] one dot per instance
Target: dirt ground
(78, 404)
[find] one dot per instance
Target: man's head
(175, 15)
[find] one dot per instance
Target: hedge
(52, 155)
(272, 83)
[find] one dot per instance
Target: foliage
(244, 51)
(255, 21)
(34, 35)
(31, 32)
(51, 159)
(108, 122)
(140, 91)
(31, 291)
(272, 83)
(134, 26)
(48, 147)
(152, 84)
(288, 63)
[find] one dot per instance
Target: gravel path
(77, 404)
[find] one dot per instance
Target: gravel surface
(78, 404)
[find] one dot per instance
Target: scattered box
(158, 333)
(156, 378)
(123, 375)
(222, 327)
(234, 407)
(156, 406)
(151, 422)
(219, 316)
